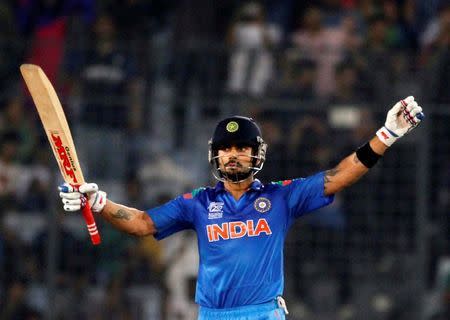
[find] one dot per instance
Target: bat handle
(90, 223)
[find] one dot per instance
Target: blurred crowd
(136, 79)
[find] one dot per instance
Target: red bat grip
(89, 219)
(90, 223)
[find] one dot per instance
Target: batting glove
(74, 199)
(404, 116)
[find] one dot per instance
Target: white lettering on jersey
(215, 210)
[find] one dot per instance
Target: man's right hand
(74, 199)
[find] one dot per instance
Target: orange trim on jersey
(286, 182)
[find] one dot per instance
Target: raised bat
(58, 132)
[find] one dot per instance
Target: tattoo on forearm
(122, 214)
(330, 173)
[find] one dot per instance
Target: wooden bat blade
(54, 121)
(58, 133)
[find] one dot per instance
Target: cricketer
(241, 223)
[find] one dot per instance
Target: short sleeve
(306, 195)
(171, 217)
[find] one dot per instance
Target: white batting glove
(404, 116)
(75, 199)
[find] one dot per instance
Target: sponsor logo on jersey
(237, 229)
(262, 204)
(215, 210)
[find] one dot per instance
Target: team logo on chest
(215, 210)
(262, 204)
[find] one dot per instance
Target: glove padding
(404, 116)
(75, 199)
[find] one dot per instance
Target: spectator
(437, 29)
(396, 34)
(144, 256)
(353, 36)
(325, 46)
(443, 209)
(375, 60)
(38, 179)
(11, 173)
(109, 258)
(144, 263)
(134, 17)
(11, 47)
(15, 118)
(115, 305)
(348, 85)
(29, 155)
(111, 109)
(277, 163)
(68, 266)
(14, 306)
(181, 276)
(319, 236)
(44, 22)
(308, 137)
(281, 13)
(299, 80)
(12, 253)
(252, 41)
(194, 61)
(333, 12)
(437, 58)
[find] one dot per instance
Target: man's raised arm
(404, 116)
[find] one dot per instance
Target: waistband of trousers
(239, 311)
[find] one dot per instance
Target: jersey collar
(256, 185)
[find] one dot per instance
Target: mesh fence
(141, 120)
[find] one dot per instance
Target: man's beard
(235, 171)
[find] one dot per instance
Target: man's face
(235, 159)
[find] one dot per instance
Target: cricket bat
(58, 133)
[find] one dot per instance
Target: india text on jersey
(237, 229)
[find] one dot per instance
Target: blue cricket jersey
(240, 243)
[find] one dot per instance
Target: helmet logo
(262, 204)
(232, 126)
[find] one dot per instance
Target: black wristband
(367, 156)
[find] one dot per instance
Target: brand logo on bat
(237, 229)
(64, 156)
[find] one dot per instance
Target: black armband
(367, 156)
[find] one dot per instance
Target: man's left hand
(404, 116)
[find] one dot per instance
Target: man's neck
(238, 189)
